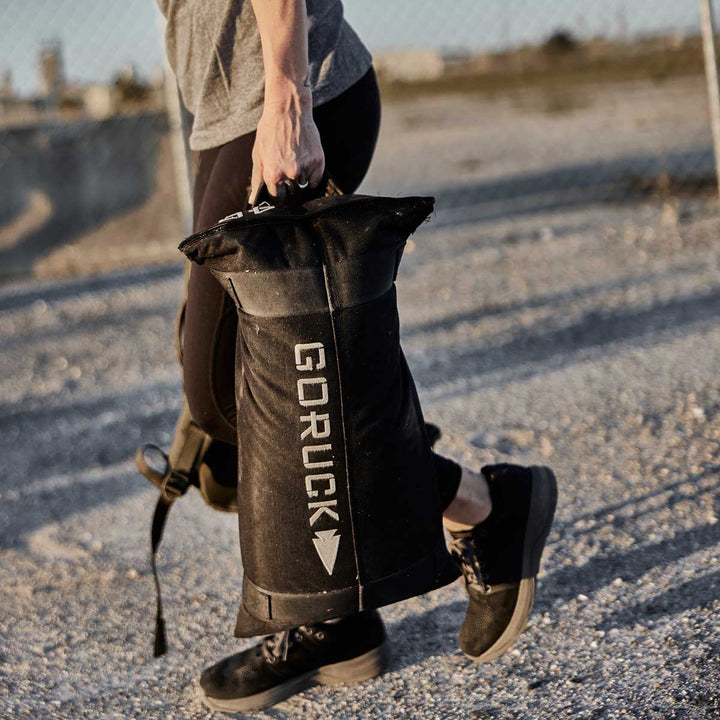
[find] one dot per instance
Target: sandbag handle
(297, 194)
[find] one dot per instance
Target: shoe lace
(468, 557)
(275, 647)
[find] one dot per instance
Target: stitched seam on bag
(344, 429)
(232, 285)
(251, 317)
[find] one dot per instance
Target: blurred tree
(561, 42)
(130, 89)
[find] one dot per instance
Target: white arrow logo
(326, 543)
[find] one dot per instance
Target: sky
(101, 36)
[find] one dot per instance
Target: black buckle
(174, 485)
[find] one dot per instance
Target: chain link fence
(547, 104)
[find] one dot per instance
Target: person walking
(283, 95)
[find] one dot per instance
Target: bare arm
(287, 144)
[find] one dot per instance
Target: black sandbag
(338, 502)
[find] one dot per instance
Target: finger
(316, 174)
(256, 182)
(273, 180)
(280, 193)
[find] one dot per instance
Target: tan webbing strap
(189, 443)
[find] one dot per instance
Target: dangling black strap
(174, 486)
(162, 508)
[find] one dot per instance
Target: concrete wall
(89, 170)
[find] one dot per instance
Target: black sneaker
(500, 557)
(288, 662)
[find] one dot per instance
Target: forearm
(284, 35)
(287, 143)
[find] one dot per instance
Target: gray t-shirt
(214, 48)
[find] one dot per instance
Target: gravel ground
(545, 321)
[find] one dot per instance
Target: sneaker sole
(543, 500)
(363, 667)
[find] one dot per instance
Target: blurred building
(6, 91)
(6, 84)
(128, 75)
(52, 73)
(101, 101)
(409, 65)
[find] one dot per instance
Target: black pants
(348, 127)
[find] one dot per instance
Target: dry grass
(573, 70)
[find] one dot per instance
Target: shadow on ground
(566, 187)
(551, 349)
(83, 443)
(18, 298)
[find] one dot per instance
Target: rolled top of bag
(266, 239)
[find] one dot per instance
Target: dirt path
(581, 334)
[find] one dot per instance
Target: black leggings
(348, 127)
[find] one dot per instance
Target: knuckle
(274, 176)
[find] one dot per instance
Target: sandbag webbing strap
(182, 461)
(188, 446)
(278, 607)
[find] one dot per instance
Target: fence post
(711, 75)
